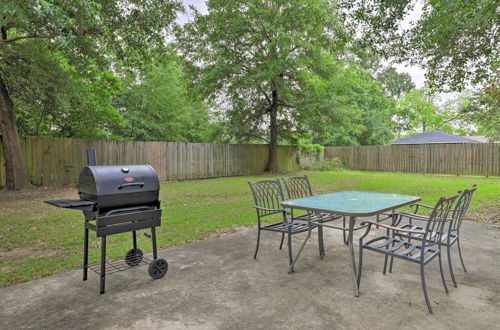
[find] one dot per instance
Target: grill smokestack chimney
(91, 157)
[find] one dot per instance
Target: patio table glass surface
(352, 203)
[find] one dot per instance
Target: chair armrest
(395, 228)
(272, 210)
(417, 205)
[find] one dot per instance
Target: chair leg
(257, 247)
(460, 254)
(282, 239)
(385, 264)
(390, 265)
(290, 256)
(448, 250)
(424, 287)
(442, 274)
(321, 243)
(360, 263)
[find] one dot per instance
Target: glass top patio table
(352, 203)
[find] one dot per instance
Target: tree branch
(25, 37)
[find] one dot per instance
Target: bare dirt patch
(24, 253)
(35, 193)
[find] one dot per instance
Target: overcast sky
(417, 74)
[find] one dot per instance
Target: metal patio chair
(421, 252)
(268, 195)
(299, 187)
(449, 236)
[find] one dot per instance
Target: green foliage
(394, 83)
(417, 112)
(482, 109)
(52, 97)
(159, 106)
(56, 58)
(253, 57)
(331, 164)
(456, 41)
(351, 108)
(311, 149)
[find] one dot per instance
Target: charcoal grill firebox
(118, 199)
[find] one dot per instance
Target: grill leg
(134, 238)
(153, 239)
(103, 264)
(85, 253)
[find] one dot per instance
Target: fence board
(57, 161)
(457, 159)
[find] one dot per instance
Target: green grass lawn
(37, 240)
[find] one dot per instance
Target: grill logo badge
(128, 179)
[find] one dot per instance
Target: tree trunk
(273, 128)
(15, 167)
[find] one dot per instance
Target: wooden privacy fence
(470, 158)
(58, 161)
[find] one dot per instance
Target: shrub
(331, 164)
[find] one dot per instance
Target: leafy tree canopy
(159, 106)
(352, 108)
(482, 109)
(394, 83)
(250, 58)
(417, 112)
(456, 41)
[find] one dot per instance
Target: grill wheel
(133, 257)
(158, 268)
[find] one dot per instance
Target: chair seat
(282, 227)
(400, 249)
(318, 217)
(431, 235)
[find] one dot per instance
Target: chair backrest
(460, 208)
(267, 194)
(437, 219)
(297, 187)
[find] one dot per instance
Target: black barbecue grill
(118, 199)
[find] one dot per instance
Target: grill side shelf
(75, 204)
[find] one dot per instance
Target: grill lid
(111, 180)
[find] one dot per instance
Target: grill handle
(132, 184)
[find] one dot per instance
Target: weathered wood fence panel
(470, 159)
(58, 161)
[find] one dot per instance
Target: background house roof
(435, 136)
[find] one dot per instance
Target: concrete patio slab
(215, 284)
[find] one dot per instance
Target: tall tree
(53, 98)
(417, 112)
(250, 58)
(394, 83)
(96, 31)
(482, 109)
(160, 106)
(352, 108)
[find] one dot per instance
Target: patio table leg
(290, 270)
(352, 258)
